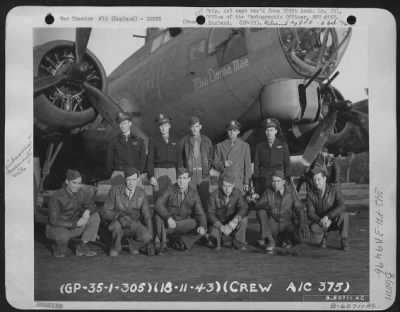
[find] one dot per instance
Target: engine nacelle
(289, 100)
(64, 106)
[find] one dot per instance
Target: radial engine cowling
(65, 106)
(287, 99)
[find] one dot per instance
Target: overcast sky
(112, 46)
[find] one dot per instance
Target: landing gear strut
(51, 155)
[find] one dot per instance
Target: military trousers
(62, 235)
(271, 229)
(136, 231)
(340, 223)
(239, 233)
(185, 227)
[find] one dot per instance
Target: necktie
(130, 193)
(126, 138)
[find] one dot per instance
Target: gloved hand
(171, 223)
(201, 230)
(233, 223)
(325, 222)
(86, 214)
(82, 222)
(226, 229)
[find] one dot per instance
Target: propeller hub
(79, 71)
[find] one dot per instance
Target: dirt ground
(201, 274)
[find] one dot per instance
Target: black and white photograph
(195, 164)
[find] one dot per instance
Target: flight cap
(72, 174)
(228, 176)
(234, 124)
(163, 119)
(271, 122)
(123, 116)
(279, 174)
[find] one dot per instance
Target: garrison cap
(130, 171)
(72, 174)
(234, 124)
(228, 176)
(162, 119)
(271, 122)
(123, 116)
(193, 120)
(181, 171)
(279, 174)
(318, 169)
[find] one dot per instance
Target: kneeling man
(179, 213)
(72, 213)
(326, 209)
(127, 208)
(227, 211)
(281, 214)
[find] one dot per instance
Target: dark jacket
(218, 211)
(122, 154)
(268, 159)
(331, 204)
(168, 205)
(66, 208)
(206, 153)
(283, 208)
(118, 207)
(162, 154)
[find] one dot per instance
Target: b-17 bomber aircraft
(217, 74)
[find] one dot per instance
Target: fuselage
(216, 74)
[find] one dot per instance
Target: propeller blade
(319, 138)
(44, 82)
(82, 36)
(360, 119)
(104, 105)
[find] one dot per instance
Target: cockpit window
(164, 37)
(227, 44)
(309, 49)
(218, 37)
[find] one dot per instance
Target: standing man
(125, 150)
(179, 213)
(326, 210)
(234, 153)
(271, 155)
(281, 215)
(197, 152)
(127, 209)
(227, 212)
(164, 156)
(72, 213)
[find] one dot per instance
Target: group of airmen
(185, 212)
